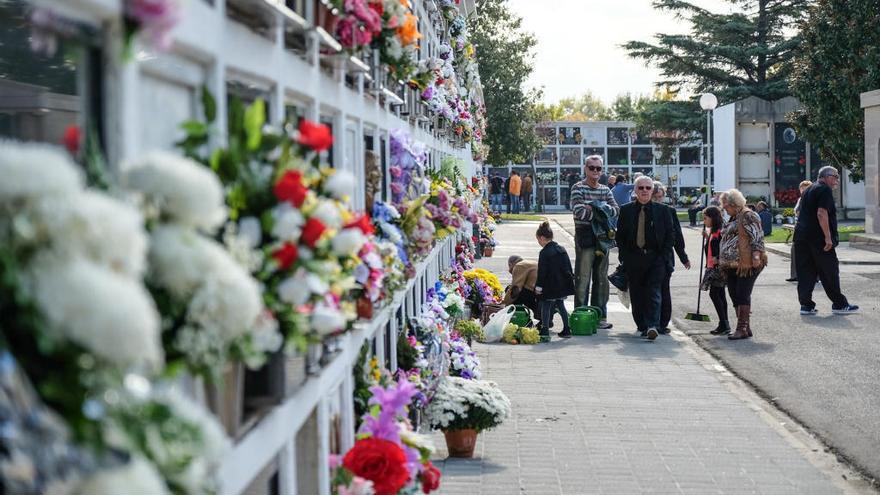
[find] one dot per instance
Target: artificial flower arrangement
(486, 283)
(213, 308)
(463, 362)
(73, 261)
(463, 408)
(515, 334)
(392, 244)
(470, 330)
(398, 40)
(407, 167)
(359, 22)
(152, 18)
(388, 454)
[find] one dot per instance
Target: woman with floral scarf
(742, 257)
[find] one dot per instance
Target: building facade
(560, 163)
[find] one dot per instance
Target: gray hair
(658, 186)
(826, 171)
(734, 197)
(514, 259)
(643, 178)
(594, 158)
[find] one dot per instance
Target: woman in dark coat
(555, 281)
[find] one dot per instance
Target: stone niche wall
(871, 104)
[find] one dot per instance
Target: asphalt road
(822, 370)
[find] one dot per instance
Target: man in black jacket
(666, 295)
(644, 238)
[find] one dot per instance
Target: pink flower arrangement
(358, 25)
(155, 18)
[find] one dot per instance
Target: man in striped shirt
(591, 264)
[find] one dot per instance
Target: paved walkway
(612, 413)
(846, 254)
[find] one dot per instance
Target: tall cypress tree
(747, 52)
(839, 60)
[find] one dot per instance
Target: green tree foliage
(839, 59)
(669, 123)
(746, 52)
(584, 108)
(504, 52)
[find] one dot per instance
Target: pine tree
(839, 60)
(747, 52)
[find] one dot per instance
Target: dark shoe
(604, 325)
(545, 339)
(723, 328)
(846, 310)
(665, 331)
(743, 313)
(791, 280)
(565, 334)
(652, 333)
(808, 311)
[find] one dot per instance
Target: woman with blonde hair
(742, 257)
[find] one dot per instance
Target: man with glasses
(815, 237)
(591, 262)
(645, 237)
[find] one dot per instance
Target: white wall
(724, 141)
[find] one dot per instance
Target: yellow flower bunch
(488, 277)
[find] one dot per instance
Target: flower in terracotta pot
(463, 408)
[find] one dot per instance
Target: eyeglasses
(645, 188)
(592, 168)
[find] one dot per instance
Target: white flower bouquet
(462, 404)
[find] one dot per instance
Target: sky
(578, 44)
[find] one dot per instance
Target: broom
(699, 316)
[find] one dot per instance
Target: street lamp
(708, 102)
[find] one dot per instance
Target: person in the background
(496, 189)
(815, 237)
(622, 191)
(804, 185)
(526, 191)
(702, 202)
(678, 249)
(612, 180)
(507, 192)
(766, 217)
(522, 288)
(515, 190)
(555, 282)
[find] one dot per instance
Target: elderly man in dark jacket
(645, 237)
(555, 281)
(666, 293)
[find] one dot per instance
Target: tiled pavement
(612, 413)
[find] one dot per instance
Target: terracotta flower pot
(461, 443)
(365, 308)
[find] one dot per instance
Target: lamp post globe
(708, 101)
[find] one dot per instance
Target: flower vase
(324, 17)
(225, 398)
(364, 308)
(461, 443)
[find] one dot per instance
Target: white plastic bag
(624, 298)
(494, 328)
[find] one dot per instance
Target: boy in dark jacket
(555, 281)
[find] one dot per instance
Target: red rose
(430, 478)
(290, 188)
(72, 138)
(312, 231)
(315, 136)
(286, 255)
(380, 461)
(364, 223)
(378, 7)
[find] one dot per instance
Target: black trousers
(528, 299)
(814, 263)
(665, 301)
(692, 214)
(740, 288)
(719, 300)
(646, 273)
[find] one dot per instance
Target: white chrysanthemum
(185, 191)
(112, 316)
(288, 223)
(251, 231)
(215, 444)
(326, 320)
(348, 242)
(229, 300)
(138, 477)
(298, 289)
(180, 259)
(340, 185)
(101, 228)
(30, 170)
(328, 213)
(266, 334)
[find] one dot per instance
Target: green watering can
(584, 320)
(521, 316)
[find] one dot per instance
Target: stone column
(871, 104)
